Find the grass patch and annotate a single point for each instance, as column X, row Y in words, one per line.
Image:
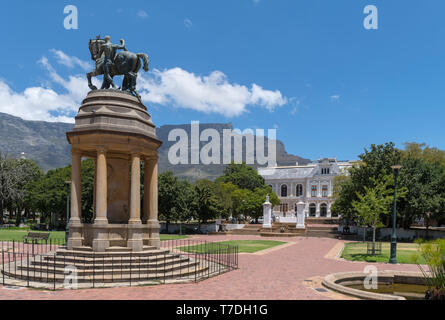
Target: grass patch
column 165, row 237
column 17, row 235
column 406, row 253
column 247, row 246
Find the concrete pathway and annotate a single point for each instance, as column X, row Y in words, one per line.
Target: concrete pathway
column 288, row 272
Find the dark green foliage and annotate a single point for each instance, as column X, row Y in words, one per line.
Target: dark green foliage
column 242, row 176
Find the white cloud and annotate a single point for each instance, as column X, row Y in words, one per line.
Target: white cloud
column 142, row 14
column 43, row 102
column 335, row 98
column 71, row 62
column 188, row 23
column 209, row 94
column 59, row 98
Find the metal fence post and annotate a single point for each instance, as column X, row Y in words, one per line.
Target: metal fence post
column 27, row 269
column 164, row 265
column 3, row 264
column 94, row 268
column 130, row 265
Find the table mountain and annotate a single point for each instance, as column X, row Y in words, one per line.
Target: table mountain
column 46, row 143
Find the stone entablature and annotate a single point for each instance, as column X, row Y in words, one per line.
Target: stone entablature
column 311, row 184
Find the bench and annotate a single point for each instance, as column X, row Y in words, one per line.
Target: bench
column 36, row 236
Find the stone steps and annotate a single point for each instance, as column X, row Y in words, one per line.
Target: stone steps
column 322, row 234
column 279, row 234
column 118, row 270
column 109, row 259
column 109, row 264
column 246, row 231
column 116, row 277
column 312, row 220
column 82, row 253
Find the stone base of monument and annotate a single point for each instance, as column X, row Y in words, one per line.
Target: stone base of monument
column 114, row 129
column 115, row 266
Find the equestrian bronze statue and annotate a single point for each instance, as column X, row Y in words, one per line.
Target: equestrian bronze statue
column 111, row 63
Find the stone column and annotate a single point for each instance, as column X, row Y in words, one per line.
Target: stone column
column 267, row 214
column 94, row 189
column 76, row 190
column 75, row 224
column 317, row 210
column 151, row 200
column 135, row 195
column 300, row 215
column 100, row 236
column 135, row 241
column 101, row 187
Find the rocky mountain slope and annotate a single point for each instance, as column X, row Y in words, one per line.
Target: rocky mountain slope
column 46, row 143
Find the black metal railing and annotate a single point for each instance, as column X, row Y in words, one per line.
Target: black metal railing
column 42, row 265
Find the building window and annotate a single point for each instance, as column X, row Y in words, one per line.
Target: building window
column 284, row 190
column 323, row 210
column 314, row 191
column 325, row 171
column 312, row 210
column 324, row 191
column 299, row 190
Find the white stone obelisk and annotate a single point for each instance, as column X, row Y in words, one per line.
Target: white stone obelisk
column 300, row 215
column 267, row 213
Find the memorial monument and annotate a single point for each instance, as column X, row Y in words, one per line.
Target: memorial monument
column 122, row 244
column 114, row 128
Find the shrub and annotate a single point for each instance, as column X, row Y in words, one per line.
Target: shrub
column 434, row 254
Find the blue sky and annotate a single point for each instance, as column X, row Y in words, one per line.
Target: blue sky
column 308, row 68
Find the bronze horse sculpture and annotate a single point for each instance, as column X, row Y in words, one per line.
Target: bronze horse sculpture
column 110, row 64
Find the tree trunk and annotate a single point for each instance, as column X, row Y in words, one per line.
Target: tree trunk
column 167, row 222
column 1, row 211
column 373, row 241
column 18, row 217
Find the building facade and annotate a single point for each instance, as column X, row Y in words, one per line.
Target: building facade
column 312, row 183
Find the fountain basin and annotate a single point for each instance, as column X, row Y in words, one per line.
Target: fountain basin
column 350, row 283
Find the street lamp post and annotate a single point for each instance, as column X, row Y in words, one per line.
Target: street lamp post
column 393, row 257
column 68, row 183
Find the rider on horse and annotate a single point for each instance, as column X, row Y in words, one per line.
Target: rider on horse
column 108, row 49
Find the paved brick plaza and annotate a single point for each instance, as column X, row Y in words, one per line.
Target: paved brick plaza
column 278, row 274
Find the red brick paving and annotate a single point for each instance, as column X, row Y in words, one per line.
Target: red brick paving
column 277, row 275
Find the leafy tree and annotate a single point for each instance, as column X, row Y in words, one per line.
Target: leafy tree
column 423, row 152
column 15, row 175
column 373, row 203
column 425, row 182
column 241, row 175
column 207, row 204
column 49, row 193
column 222, row 195
column 168, row 193
column 374, row 164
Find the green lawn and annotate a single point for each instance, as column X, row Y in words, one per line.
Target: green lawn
column 406, row 253
column 17, row 235
column 165, row 237
column 247, row 246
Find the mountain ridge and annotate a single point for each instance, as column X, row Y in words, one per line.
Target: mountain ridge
column 41, row 141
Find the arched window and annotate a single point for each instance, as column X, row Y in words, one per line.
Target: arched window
column 284, row 190
column 323, row 210
column 299, row 191
column 312, row 210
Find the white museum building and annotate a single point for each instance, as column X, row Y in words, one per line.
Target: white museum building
column 311, row 183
